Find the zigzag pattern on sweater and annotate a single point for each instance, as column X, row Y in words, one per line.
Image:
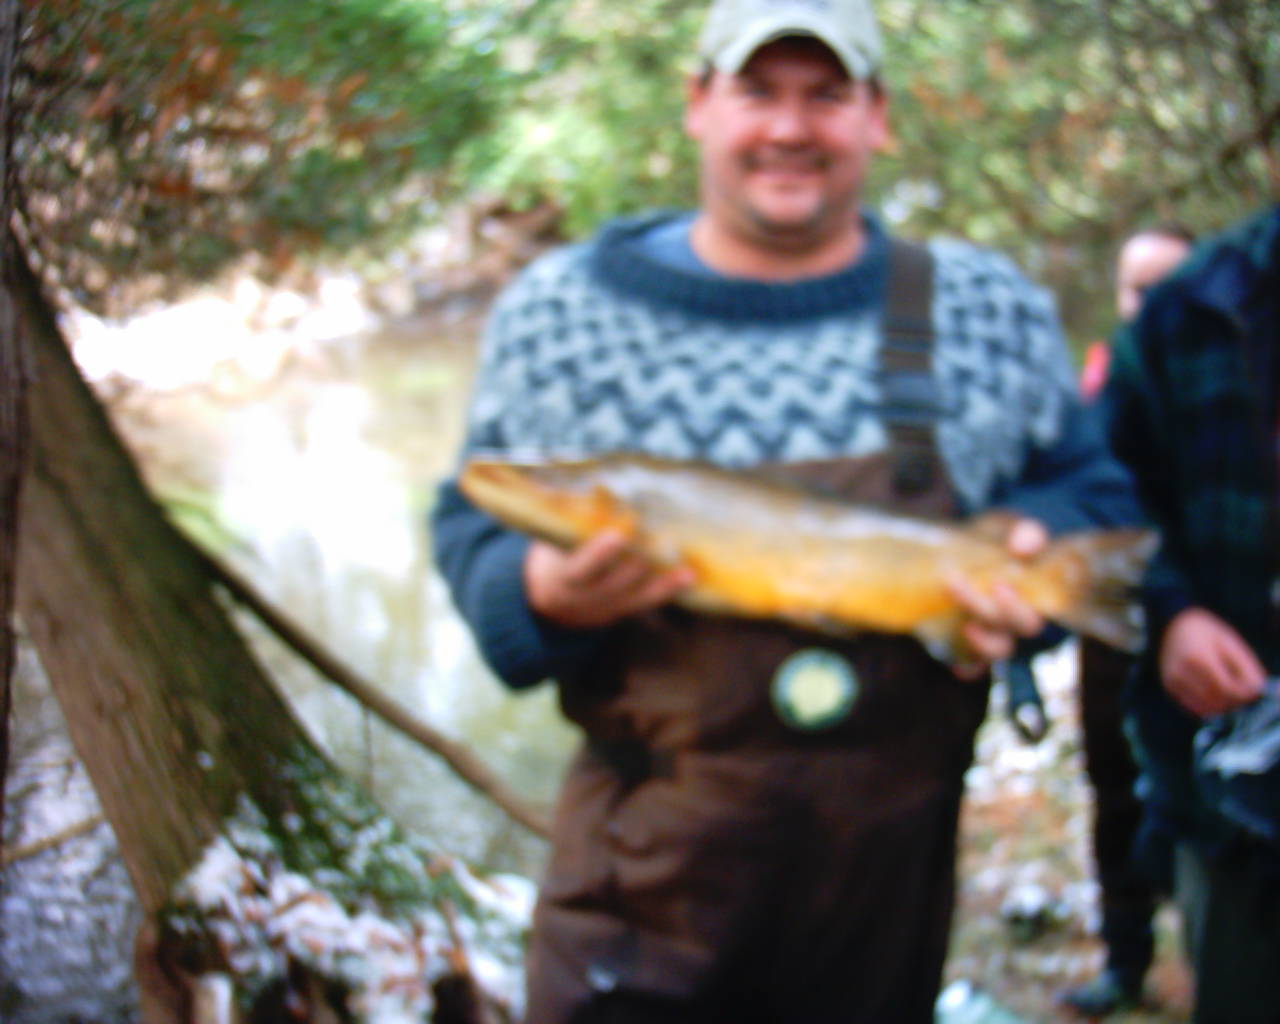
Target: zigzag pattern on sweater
column 571, row 367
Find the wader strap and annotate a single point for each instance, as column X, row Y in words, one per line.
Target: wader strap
column 631, row 760
column 912, row 404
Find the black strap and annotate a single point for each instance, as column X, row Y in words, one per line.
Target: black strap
column 911, row 400
column 632, row 760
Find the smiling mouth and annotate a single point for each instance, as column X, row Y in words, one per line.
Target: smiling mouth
column 792, row 167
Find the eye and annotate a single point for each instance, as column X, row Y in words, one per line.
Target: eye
column 753, row 88
column 832, row 94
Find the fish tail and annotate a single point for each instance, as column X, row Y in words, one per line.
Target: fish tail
column 1102, row 571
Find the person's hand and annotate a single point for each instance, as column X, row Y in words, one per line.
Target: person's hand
column 1206, row 666
column 597, row 583
column 996, row 619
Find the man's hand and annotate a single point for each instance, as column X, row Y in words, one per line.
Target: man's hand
column 1206, row 666
column 597, row 583
column 997, row 619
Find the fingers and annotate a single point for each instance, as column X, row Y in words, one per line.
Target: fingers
column 1206, row 666
column 1027, row 538
column 998, row 617
column 604, row 562
column 597, row 583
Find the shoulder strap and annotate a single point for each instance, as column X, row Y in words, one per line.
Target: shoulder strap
column 911, row 401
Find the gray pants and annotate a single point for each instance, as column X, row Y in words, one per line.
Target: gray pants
column 1231, row 918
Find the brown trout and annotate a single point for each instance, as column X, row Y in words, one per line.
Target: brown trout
column 765, row 550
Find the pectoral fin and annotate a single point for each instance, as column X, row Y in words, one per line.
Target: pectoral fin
column 940, row 636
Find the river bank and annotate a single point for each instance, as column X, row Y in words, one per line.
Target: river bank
column 301, row 434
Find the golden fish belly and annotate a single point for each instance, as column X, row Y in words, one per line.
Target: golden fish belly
column 877, row 582
column 763, row 550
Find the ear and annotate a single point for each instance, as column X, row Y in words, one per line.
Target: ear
column 880, row 134
column 696, row 89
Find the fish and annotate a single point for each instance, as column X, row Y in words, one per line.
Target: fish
column 760, row 548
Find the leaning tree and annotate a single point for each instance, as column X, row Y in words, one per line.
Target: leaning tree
column 156, row 141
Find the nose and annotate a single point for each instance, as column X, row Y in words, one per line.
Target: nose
column 788, row 124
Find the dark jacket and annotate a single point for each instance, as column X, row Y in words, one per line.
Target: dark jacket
column 1191, row 407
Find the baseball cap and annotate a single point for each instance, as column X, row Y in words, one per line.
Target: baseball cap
column 735, row 29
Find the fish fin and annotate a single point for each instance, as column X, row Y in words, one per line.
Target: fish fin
column 940, row 636
column 1106, row 604
column 827, row 624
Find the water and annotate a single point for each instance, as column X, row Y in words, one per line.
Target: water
column 305, row 449
column 302, row 439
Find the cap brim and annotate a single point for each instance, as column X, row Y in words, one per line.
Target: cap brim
column 733, row 58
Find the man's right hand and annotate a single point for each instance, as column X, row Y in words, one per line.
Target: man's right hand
column 597, row 583
column 1206, row 666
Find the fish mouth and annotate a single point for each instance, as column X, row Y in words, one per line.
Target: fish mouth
column 525, row 477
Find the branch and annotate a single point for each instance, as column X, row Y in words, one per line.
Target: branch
column 49, row 842
column 1260, row 135
column 467, row 766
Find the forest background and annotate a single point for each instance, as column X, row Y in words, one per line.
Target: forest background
column 151, row 146
column 159, row 140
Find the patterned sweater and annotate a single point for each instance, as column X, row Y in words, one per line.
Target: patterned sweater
column 601, row 347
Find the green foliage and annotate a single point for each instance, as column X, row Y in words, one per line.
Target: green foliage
column 1048, row 128
column 1053, row 128
column 163, row 138
column 597, row 127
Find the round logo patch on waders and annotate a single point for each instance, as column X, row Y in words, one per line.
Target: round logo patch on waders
column 814, row 689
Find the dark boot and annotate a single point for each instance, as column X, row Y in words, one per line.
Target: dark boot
column 1110, row 992
column 1130, row 941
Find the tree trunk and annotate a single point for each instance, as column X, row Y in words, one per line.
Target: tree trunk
column 167, row 708
column 13, row 410
column 224, row 810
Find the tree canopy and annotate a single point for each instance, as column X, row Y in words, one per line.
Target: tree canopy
column 1048, row 128
column 165, row 137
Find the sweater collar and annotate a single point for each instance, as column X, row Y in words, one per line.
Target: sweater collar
column 622, row 264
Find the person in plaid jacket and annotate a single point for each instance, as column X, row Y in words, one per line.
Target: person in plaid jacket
column 1192, row 410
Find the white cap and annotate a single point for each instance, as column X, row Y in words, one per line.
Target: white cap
column 735, row 29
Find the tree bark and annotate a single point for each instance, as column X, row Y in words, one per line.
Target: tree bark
column 166, row 707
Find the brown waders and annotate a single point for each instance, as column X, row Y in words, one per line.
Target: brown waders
column 761, row 824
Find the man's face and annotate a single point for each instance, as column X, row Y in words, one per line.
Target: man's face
column 785, row 144
column 1144, row 260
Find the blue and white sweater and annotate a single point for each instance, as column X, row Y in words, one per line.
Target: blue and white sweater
column 601, row 347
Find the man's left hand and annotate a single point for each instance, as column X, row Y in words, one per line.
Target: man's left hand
column 997, row 619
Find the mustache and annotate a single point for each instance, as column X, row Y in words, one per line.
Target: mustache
column 786, row 160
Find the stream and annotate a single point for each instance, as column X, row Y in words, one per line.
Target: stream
column 301, row 436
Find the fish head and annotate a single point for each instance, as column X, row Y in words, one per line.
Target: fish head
column 557, row 501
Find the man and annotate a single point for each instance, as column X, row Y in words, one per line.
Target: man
column 721, row 853
column 1145, row 258
column 1128, row 897
column 1193, row 410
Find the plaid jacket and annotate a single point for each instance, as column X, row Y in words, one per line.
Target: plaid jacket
column 1192, row 410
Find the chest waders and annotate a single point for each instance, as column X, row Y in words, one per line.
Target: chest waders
column 760, row 826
